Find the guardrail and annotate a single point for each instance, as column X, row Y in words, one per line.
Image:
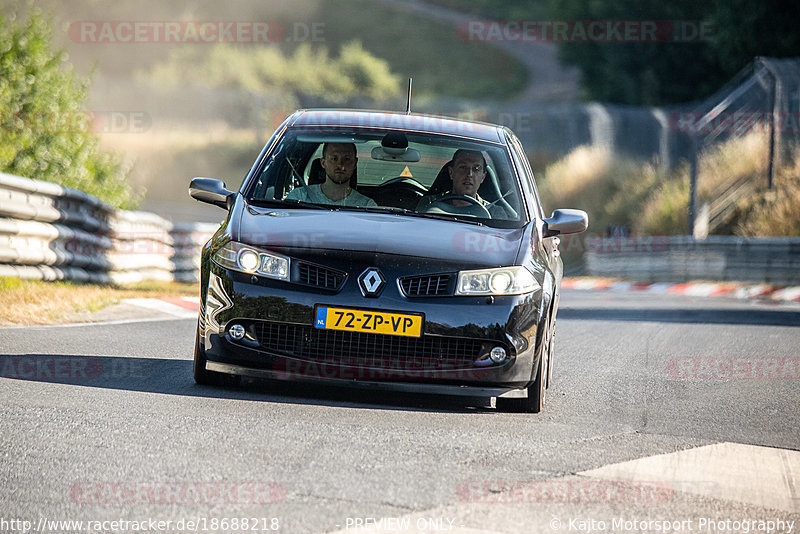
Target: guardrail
column 770, row 260
column 50, row 232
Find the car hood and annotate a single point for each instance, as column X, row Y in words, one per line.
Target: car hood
column 287, row 229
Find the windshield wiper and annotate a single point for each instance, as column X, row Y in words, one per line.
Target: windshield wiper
column 286, row 202
column 413, row 213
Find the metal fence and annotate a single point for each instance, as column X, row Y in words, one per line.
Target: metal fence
column 49, row 232
column 762, row 100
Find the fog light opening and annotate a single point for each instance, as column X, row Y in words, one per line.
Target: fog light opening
column 498, row 355
column 237, row 332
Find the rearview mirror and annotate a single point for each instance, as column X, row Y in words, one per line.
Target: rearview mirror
column 566, row 221
column 394, row 147
column 407, row 155
column 211, row 191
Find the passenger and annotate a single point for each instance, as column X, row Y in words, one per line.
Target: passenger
column 339, row 163
column 467, row 171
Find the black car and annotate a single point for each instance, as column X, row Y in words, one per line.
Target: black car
column 408, row 282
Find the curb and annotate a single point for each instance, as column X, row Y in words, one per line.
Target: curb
column 694, row 289
column 184, row 307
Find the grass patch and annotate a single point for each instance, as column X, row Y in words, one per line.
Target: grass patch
column 29, row 302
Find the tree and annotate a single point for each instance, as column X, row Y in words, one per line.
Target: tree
column 747, row 29
column 45, row 131
column 677, row 66
column 682, row 66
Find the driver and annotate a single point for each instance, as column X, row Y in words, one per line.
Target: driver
column 467, row 171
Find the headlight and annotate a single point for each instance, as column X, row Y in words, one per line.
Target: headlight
column 501, row 281
column 247, row 259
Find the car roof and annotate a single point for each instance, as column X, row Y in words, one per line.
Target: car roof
column 409, row 122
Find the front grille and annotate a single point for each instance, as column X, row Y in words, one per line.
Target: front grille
column 367, row 350
column 433, row 285
column 318, row 276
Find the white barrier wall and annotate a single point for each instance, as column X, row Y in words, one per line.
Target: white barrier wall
column 50, row 232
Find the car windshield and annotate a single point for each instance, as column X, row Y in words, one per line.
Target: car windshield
column 410, row 173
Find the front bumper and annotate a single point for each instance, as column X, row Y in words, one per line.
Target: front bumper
column 468, row 328
column 404, row 387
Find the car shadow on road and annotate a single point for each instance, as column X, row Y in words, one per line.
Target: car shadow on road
column 688, row 316
column 174, row 377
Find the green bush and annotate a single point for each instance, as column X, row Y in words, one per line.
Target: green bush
column 666, row 211
column 45, row 130
column 307, row 71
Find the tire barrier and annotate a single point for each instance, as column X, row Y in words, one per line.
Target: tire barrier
column 50, row 232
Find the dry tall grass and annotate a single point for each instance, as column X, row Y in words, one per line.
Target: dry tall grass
column 609, row 188
column 736, row 158
column 665, row 212
column 774, row 212
column 618, row 191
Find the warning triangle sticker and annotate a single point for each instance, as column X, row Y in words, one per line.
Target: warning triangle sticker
column 407, row 173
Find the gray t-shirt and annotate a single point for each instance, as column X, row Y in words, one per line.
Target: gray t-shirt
column 313, row 193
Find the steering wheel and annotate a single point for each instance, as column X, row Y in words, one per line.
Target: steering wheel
column 404, row 179
column 452, row 196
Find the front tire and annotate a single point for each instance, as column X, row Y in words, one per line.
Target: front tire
column 534, row 402
column 203, row 376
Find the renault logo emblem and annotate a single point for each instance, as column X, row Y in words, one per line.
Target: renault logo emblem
column 371, row 282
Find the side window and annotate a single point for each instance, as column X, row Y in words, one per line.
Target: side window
column 521, row 160
column 286, row 169
column 264, row 189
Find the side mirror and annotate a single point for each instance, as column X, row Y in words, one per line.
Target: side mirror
column 211, row 191
column 566, row 221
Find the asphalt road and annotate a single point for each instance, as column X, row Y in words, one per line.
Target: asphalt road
column 663, row 409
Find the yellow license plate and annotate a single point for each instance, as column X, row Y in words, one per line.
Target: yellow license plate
column 373, row 322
